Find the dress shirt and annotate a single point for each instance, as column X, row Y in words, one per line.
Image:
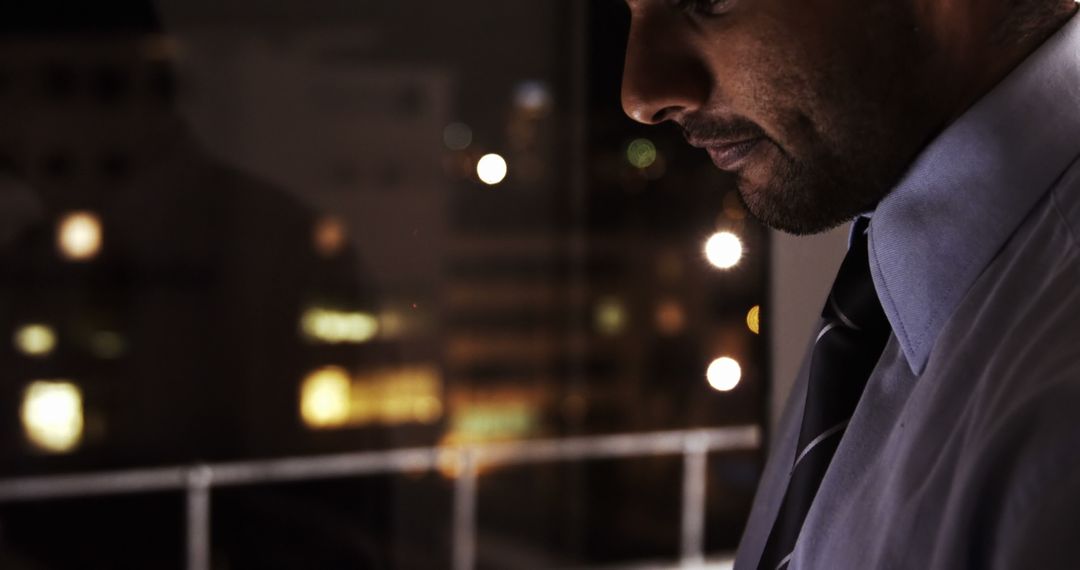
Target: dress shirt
column 964, row 451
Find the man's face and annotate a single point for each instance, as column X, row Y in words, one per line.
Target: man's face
column 816, row 106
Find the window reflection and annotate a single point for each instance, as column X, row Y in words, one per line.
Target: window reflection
column 240, row 232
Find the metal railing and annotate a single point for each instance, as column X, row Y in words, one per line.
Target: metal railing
column 198, row 480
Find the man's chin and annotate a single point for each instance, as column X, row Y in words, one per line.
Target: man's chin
column 792, row 210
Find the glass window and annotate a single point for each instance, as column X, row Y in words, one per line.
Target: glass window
column 363, row 284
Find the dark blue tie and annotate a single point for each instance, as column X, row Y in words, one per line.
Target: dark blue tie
column 845, row 353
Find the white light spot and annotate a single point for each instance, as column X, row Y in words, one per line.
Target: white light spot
column 724, row 374
column 78, row 236
column 52, row 415
column 491, row 169
column 723, row 250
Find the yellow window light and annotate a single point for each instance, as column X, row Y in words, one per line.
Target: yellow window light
column 52, row 415
column 35, row 339
column 335, row 327
column 79, row 236
column 331, row 397
column 324, row 398
column 753, row 319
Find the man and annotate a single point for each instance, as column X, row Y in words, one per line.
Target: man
column 936, row 420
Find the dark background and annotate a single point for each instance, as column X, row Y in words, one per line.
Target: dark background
column 178, row 126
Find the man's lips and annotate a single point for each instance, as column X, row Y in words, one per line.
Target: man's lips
column 727, row 154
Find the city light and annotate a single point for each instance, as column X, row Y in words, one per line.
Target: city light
column 52, row 415
column 723, row 250
column 392, row 324
column 337, row 327
column 78, row 236
column 610, row 317
column 35, row 340
column 426, row 409
column 107, row 344
column 533, row 97
column 494, row 421
column 753, row 319
column 333, row 398
column 457, row 136
column 328, row 236
column 324, row 398
column 398, row 395
column 670, row 317
column 723, row 374
column 641, row 153
column 496, row 415
column 491, row 168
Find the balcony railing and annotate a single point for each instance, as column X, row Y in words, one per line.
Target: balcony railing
column 463, row 461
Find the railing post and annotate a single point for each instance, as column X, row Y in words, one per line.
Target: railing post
column 198, row 518
column 464, row 548
column 695, row 456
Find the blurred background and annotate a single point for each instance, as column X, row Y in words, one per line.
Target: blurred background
column 371, row 284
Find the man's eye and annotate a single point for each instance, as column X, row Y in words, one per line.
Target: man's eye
column 703, row 7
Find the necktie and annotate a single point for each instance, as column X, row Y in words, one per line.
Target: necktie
column 845, row 353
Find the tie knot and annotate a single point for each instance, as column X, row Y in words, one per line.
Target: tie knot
column 853, row 301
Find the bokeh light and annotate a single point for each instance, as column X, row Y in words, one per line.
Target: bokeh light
column 753, row 319
column 396, row 395
column 670, row 317
column 426, row 409
column 641, row 153
column 723, row 250
column 107, row 344
column 491, row 168
column 35, row 339
column 457, row 136
column 610, row 316
column 52, row 415
column 533, row 97
column 79, row 236
column 336, row 327
column 724, row 374
column 324, row 398
column 328, row 236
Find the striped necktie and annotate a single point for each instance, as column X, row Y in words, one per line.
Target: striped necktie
column 845, row 353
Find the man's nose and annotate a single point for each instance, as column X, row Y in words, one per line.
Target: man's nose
column 663, row 77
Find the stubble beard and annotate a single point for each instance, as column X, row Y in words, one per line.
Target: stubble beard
column 851, row 127
column 809, row 196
